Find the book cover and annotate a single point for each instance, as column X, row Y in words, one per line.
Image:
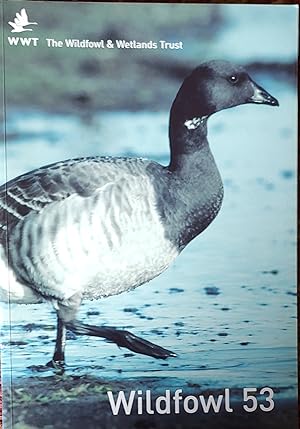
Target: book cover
column 148, row 215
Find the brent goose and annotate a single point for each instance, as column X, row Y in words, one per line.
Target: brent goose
column 99, row 226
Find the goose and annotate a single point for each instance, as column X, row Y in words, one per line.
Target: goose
column 93, row 227
column 21, row 21
column 22, row 18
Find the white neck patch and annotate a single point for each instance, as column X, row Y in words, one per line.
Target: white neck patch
column 194, row 123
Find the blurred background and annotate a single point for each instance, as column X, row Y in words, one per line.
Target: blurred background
column 50, row 85
column 72, row 80
column 236, row 283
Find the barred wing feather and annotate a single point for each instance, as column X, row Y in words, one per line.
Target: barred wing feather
column 33, row 191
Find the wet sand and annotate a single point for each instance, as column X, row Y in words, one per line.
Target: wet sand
column 82, row 402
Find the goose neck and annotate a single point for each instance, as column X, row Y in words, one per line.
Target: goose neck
column 188, row 138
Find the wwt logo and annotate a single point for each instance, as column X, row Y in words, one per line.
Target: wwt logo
column 21, row 21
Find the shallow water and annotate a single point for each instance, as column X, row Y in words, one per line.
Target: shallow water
column 270, row 24
column 227, row 306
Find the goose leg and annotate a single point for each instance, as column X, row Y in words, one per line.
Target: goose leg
column 65, row 312
column 66, row 320
column 58, row 360
column 122, row 338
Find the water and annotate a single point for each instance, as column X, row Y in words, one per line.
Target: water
column 227, row 306
column 251, row 31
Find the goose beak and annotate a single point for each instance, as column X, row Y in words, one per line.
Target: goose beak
column 261, row 96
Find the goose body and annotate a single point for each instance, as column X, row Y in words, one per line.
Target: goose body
column 99, row 242
column 99, row 226
column 117, row 233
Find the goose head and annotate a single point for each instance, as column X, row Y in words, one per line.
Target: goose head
column 218, row 85
column 210, row 88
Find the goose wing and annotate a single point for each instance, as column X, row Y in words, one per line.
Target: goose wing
column 33, row 191
column 76, row 233
column 13, row 24
column 22, row 17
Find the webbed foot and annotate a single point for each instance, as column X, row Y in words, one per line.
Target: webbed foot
column 122, row 338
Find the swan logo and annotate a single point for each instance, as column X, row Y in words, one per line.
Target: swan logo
column 20, row 22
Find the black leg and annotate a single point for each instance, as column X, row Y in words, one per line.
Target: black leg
column 66, row 319
column 58, row 360
column 120, row 337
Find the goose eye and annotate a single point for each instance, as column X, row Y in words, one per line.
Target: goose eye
column 233, row 79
